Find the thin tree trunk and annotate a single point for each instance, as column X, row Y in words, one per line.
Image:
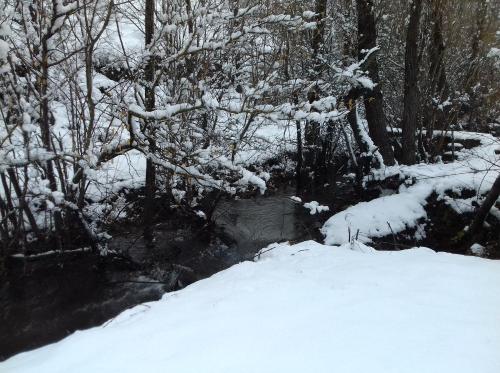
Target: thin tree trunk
column 312, row 130
column 319, row 31
column 9, row 206
column 150, row 188
column 438, row 86
column 367, row 40
column 298, row 167
column 411, row 99
column 22, row 201
column 473, row 72
column 46, row 137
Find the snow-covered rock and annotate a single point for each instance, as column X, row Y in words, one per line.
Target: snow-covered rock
column 477, row 249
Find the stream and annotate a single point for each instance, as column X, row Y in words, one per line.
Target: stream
column 44, row 300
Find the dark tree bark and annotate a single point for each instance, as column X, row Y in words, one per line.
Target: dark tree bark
column 373, row 100
column 485, row 208
column 411, row 99
column 150, row 187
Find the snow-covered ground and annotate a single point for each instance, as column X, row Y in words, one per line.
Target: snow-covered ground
column 475, row 169
column 303, row 308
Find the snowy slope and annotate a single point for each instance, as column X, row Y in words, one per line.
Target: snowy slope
column 304, row 308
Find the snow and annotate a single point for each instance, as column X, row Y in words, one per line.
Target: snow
column 476, row 169
column 250, row 178
column 201, row 214
column 477, row 249
column 50, row 253
column 123, row 171
column 314, row 207
column 308, row 14
column 303, row 308
column 4, row 49
column 376, row 218
column 494, row 53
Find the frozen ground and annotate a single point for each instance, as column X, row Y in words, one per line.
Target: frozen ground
column 303, row 308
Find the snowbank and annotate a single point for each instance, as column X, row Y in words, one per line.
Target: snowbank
column 376, row 218
column 476, row 169
column 303, row 308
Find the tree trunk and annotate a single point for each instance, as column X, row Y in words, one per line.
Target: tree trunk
column 473, row 72
column 298, row 167
column 312, row 135
column 485, row 208
column 150, row 187
column 367, row 39
column 23, row 205
column 411, row 100
column 319, row 31
column 350, row 102
column 43, row 90
column 438, row 85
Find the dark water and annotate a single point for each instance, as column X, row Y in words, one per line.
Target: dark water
column 43, row 300
column 257, row 222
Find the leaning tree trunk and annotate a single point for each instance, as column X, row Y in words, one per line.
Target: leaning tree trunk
column 150, row 187
column 485, row 208
column 411, row 100
column 367, row 40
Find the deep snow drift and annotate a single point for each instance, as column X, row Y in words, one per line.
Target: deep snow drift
column 303, row 308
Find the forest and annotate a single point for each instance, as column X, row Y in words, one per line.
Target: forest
column 149, row 146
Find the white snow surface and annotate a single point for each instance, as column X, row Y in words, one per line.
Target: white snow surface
column 303, row 308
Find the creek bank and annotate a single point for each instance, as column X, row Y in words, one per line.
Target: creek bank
column 444, row 230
